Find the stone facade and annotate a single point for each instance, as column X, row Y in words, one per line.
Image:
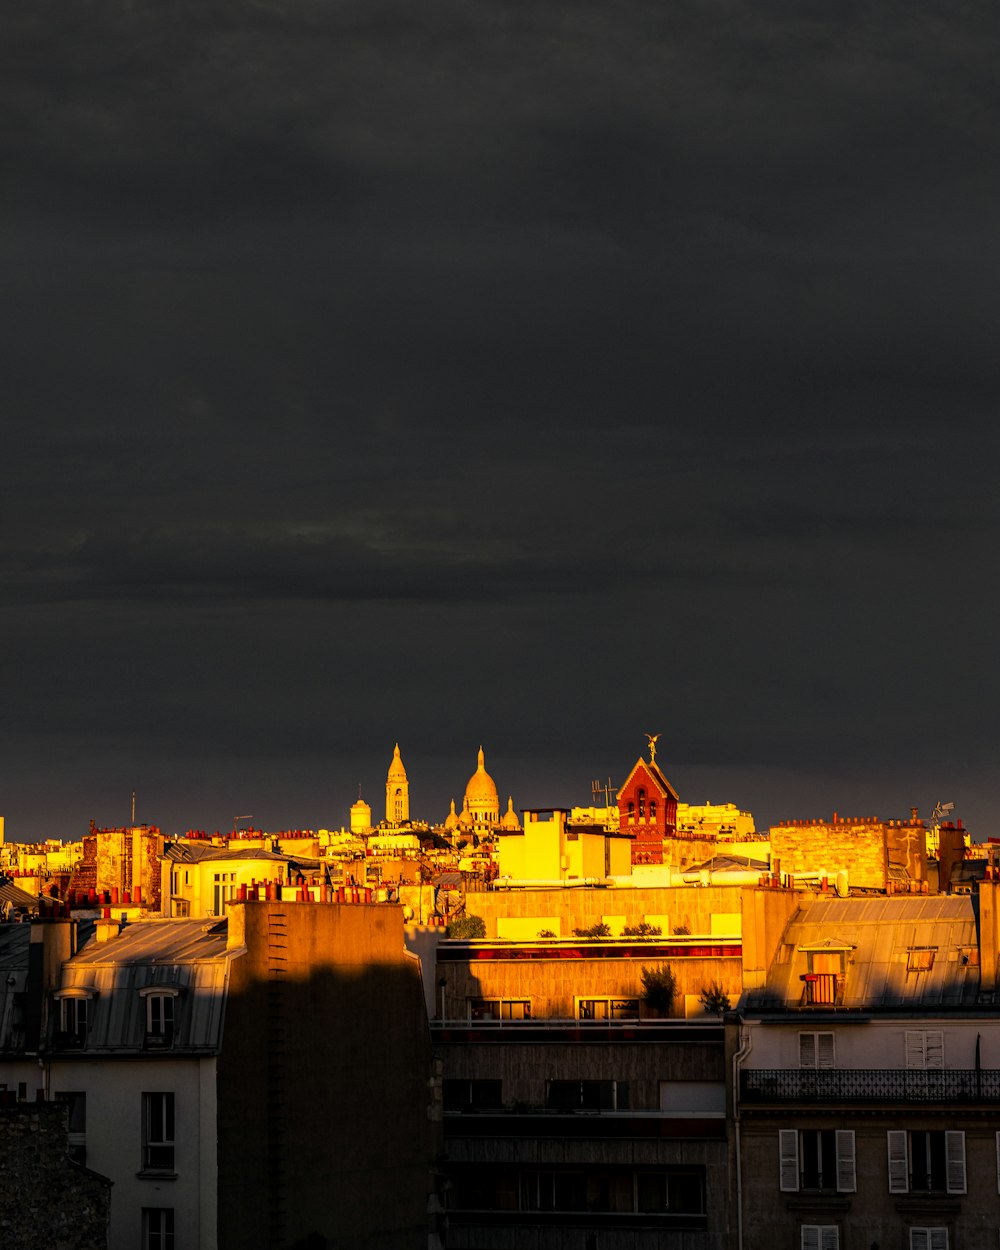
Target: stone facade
column 862, row 847
column 47, row 1202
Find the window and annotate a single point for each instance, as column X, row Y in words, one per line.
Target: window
column 160, row 1012
column 631, row 812
column 607, row 1009
column 668, row 1196
column 815, row 1050
column 924, row 1048
column 820, row 1237
column 499, row 1008
column 73, row 1017
column 920, row 958
column 224, row 890
column 586, row 1095
column 824, row 981
column 158, row 1132
column 821, row 1160
column 652, row 811
column 473, row 1095
column 926, row 1162
column 928, row 1238
column 158, row 1228
column 77, row 1139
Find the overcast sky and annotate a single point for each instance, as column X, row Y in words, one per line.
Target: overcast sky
column 533, row 374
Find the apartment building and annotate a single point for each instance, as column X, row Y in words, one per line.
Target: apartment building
column 866, row 1080
column 256, row 1079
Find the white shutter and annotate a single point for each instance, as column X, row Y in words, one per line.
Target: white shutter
column 929, row 1238
column 824, row 1050
column 898, row 1165
column 998, row 1163
column 914, row 1049
column 847, row 1180
column 807, row 1051
column 954, row 1151
column 788, row 1153
column 934, row 1049
column 820, row 1237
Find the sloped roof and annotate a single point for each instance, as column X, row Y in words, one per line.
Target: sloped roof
column 655, row 775
column 188, row 956
column 881, row 938
column 197, row 853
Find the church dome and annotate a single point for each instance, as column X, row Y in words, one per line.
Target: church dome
column 510, row 820
column 481, row 788
column 451, row 820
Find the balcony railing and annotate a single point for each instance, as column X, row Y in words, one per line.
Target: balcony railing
column 869, row 1085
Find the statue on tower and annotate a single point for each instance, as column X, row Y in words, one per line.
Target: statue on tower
column 652, row 739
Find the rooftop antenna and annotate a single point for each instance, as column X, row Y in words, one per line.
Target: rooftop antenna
column 598, row 788
column 941, row 809
column 237, row 819
column 133, row 809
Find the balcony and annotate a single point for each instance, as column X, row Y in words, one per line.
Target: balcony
column 759, row 1086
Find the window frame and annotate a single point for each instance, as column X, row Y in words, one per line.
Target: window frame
column 842, row 1168
column 159, row 1132
column 899, row 1147
column 823, row 1047
column 162, row 1237
column 819, row 1237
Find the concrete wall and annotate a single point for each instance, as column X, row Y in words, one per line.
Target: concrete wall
column 555, row 985
column 114, row 1090
column 691, row 907
column 323, row 1081
column 524, row 1069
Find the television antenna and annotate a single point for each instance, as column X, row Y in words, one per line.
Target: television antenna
column 602, row 788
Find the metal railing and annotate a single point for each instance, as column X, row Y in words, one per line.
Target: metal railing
column 869, row 1085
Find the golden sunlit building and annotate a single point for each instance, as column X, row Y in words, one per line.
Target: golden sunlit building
column 397, row 792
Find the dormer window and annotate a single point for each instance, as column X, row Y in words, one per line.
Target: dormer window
column 74, row 1017
column 160, row 1003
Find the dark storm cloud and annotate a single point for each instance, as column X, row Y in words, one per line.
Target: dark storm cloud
column 521, row 344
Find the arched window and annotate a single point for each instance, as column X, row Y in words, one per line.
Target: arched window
column 652, row 809
column 642, row 804
column 631, row 811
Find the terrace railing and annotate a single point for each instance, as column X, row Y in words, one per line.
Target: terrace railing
column 869, row 1085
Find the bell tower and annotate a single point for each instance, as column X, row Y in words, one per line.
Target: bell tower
column 397, row 792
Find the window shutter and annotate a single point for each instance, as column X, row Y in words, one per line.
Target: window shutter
column 914, row 1049
column 847, row 1180
column 919, row 1239
column 998, row 1163
column 810, row 1237
column 938, row 1238
column 829, row 1237
column 824, row 1050
column 788, row 1154
column 954, row 1150
column 934, row 1049
column 898, row 1178
column 807, row 1053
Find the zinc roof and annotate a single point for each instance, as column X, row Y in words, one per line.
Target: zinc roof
column 897, row 952
column 188, row 956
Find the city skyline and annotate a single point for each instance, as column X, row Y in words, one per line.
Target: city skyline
column 536, row 377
